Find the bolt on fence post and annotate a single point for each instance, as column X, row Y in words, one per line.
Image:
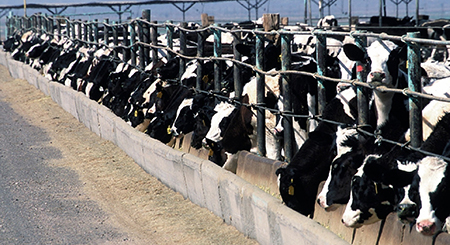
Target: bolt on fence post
column 321, row 51
column 217, row 63
column 200, row 53
column 146, row 36
column 154, row 41
column 126, row 43
column 260, row 92
column 287, row 104
column 169, row 34
column 237, row 67
column 95, row 28
column 106, row 31
column 182, row 48
column 362, row 92
column 132, row 30
column 414, row 84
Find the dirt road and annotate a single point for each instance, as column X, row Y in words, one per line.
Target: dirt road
column 106, row 190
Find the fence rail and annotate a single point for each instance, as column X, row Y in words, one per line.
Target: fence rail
column 137, row 40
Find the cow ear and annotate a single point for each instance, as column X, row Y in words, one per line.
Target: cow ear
column 244, row 49
column 353, row 52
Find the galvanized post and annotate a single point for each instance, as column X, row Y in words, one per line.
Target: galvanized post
column 217, row 63
column 126, row 43
column 146, row 33
column 200, row 53
column 132, row 30
column 287, row 104
column 182, row 48
column 414, row 84
column 237, row 76
column 260, row 92
column 73, row 28
column 169, row 34
column 154, row 41
column 321, row 51
column 90, row 31
column 106, row 31
column 95, row 28
column 362, row 92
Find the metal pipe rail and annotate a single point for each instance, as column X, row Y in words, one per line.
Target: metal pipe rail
column 47, row 25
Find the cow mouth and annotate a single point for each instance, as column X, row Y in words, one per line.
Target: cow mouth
column 426, row 229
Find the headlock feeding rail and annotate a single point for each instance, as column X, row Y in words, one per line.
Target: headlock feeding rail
column 135, row 43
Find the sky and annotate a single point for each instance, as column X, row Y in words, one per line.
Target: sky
column 232, row 11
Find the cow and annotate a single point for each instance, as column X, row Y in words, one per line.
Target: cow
column 385, row 59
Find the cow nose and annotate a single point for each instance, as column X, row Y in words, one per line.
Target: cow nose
column 426, row 227
column 377, row 76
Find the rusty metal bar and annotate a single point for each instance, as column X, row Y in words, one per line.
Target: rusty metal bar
column 414, row 84
column 287, row 104
column 146, row 36
column 106, row 31
column 362, row 93
column 217, row 63
column 237, row 75
column 200, row 53
column 260, row 92
column 182, row 48
column 154, row 41
column 169, row 34
column 321, row 52
column 132, row 30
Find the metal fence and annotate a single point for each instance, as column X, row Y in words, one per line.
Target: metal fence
column 135, row 42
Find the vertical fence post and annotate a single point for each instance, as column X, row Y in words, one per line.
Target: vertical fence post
column 126, row 43
column 85, row 31
column 237, row 67
column 39, row 23
column 362, row 92
column 287, row 104
column 182, row 48
column 169, row 34
column 73, row 28
column 217, row 63
column 132, row 30
column 414, row 84
column 200, row 53
column 115, row 38
column 106, row 31
column 58, row 28
column 146, row 36
column 141, row 54
column 321, row 51
column 80, row 32
column 260, row 92
column 95, row 28
column 68, row 27
column 154, row 41
column 90, row 27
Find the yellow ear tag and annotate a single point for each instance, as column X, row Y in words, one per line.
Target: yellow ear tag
column 210, row 153
column 169, row 130
column 205, row 79
column 291, row 188
column 159, row 95
column 204, row 124
column 407, row 64
column 135, row 113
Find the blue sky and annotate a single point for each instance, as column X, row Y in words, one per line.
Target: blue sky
column 226, row 11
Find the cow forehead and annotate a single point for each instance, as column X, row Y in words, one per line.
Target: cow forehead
column 360, row 171
column 379, row 51
column 431, row 171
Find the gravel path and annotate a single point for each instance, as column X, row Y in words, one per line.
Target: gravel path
column 62, row 184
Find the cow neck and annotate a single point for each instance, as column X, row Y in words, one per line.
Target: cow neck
column 383, row 106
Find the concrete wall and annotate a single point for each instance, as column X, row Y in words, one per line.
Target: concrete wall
column 252, row 211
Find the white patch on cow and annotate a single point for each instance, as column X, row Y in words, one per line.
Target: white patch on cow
column 431, row 171
column 345, row 97
column 132, row 72
column 223, row 109
column 226, row 38
column 88, row 88
column 190, row 70
column 406, row 200
column 187, row 102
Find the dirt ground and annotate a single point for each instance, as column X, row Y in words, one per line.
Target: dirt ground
column 135, row 202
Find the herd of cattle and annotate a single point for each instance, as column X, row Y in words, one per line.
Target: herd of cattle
column 371, row 176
